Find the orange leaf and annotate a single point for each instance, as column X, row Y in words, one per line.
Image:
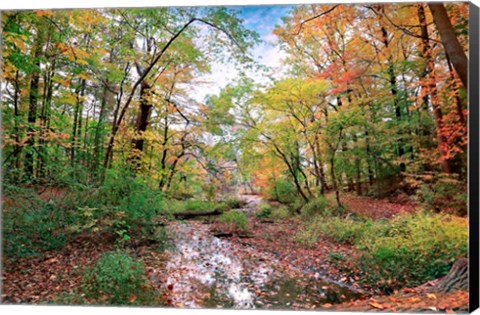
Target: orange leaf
column 376, row 305
column 132, row 298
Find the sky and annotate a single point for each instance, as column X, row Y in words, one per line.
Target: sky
column 263, row 20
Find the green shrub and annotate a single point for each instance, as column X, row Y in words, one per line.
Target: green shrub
column 341, row 230
column 315, row 207
column 405, row 251
column 444, row 194
column 282, row 212
column 235, row 221
column 344, row 230
column 411, row 249
column 194, row 205
column 33, row 226
column 265, row 210
column 307, row 237
column 283, row 191
column 115, row 278
column 234, row 203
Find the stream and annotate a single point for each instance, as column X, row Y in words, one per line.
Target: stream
column 205, row 271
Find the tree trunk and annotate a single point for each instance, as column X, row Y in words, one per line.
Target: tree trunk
column 334, row 181
column 32, row 116
column 450, row 41
column 141, row 124
column 456, row 279
column 431, row 88
column 394, row 92
column 16, row 131
column 77, row 120
column 98, row 138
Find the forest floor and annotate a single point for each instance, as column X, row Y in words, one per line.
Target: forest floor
column 264, row 269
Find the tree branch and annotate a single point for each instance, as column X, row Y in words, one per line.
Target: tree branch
column 313, row 18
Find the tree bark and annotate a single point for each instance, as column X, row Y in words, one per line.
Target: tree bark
column 32, row 112
column 456, row 279
column 450, row 41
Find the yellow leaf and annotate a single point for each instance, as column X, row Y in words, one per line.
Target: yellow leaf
column 85, row 76
column 431, row 296
column 19, row 43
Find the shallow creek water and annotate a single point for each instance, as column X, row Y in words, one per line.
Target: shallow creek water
column 206, row 271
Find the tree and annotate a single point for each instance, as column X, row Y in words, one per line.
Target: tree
column 452, row 46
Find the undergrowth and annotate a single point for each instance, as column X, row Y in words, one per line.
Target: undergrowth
column 119, row 279
column 234, row 221
column 405, row 251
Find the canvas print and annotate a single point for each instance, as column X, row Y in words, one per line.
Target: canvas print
column 293, row 157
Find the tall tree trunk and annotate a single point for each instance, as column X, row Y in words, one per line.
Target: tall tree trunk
column 44, row 115
column 16, row 130
column 77, row 120
column 394, row 91
column 293, row 172
column 32, row 109
column 163, row 160
column 431, row 88
column 450, row 41
column 369, row 162
column 141, row 124
column 334, row 181
column 358, row 170
column 98, row 138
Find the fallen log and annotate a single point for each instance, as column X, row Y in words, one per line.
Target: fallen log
column 194, row 214
column 223, row 234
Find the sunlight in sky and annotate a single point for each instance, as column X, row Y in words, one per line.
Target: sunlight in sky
column 263, row 20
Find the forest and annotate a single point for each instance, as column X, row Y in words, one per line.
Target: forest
column 270, row 157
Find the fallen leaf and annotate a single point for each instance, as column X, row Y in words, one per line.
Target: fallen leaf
column 376, row 305
column 431, row 296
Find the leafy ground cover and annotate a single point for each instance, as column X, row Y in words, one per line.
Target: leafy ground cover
column 326, row 250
